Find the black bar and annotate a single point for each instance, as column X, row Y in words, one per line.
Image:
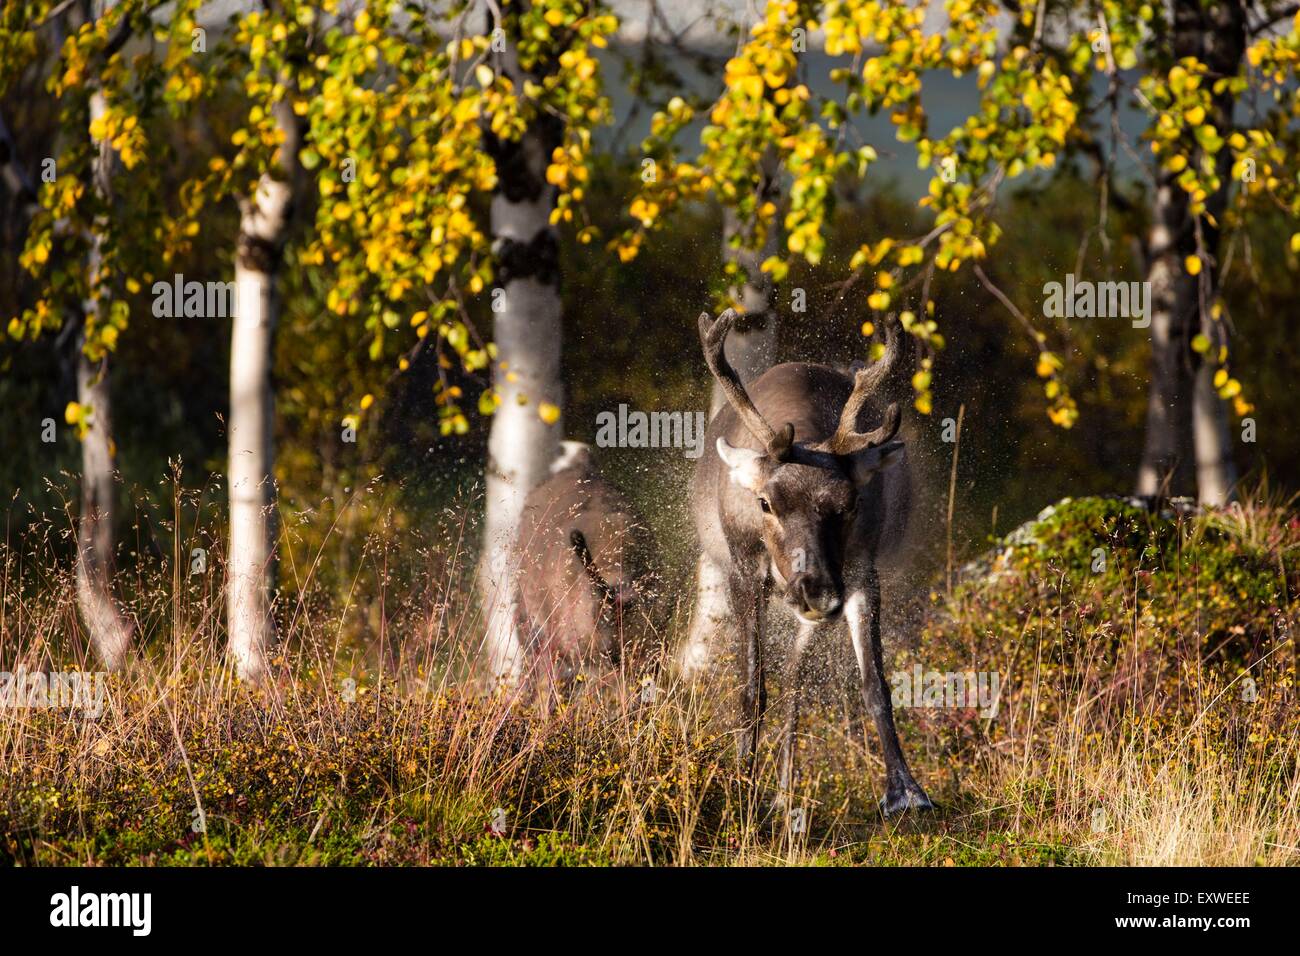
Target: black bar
column 335, row 907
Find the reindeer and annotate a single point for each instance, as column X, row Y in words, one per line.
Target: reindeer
column 582, row 576
column 805, row 510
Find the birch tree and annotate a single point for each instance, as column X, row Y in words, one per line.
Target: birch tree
column 415, row 121
column 278, row 38
column 105, row 621
column 113, row 190
column 1220, row 156
column 91, row 244
column 1187, row 439
column 527, row 327
column 1186, row 65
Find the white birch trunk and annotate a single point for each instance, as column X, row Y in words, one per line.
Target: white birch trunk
column 1223, row 47
column 751, row 346
column 106, row 625
column 751, row 350
column 1216, row 472
column 250, row 478
column 521, row 446
column 1165, row 467
column 527, row 330
column 1187, row 433
column 264, row 223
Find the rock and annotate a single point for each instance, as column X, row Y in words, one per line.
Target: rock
column 994, row 563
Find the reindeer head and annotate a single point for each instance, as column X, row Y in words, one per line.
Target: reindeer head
column 807, row 495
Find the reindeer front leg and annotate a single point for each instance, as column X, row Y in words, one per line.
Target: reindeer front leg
column 862, row 609
column 748, row 592
column 793, row 686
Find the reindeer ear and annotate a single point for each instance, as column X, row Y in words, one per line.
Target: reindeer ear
column 745, row 464
column 875, row 460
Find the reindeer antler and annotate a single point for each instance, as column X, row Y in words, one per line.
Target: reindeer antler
column 712, row 336
column 847, row 440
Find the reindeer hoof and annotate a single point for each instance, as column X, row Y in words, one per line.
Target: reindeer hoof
column 904, row 797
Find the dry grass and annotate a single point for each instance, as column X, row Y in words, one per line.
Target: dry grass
column 1087, row 765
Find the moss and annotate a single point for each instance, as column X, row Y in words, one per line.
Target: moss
column 1125, row 573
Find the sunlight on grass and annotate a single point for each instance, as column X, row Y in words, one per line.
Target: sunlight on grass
column 1116, row 740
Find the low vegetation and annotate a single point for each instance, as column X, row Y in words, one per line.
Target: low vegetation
column 1145, row 715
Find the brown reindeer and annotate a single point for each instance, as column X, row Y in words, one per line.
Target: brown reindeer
column 805, row 510
column 583, row 582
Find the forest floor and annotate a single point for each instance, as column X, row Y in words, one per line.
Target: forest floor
column 1145, row 714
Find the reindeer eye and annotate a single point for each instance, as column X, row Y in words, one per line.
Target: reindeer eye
column 765, row 505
